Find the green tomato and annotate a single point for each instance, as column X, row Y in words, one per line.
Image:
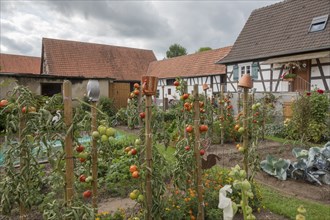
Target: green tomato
column 133, row 196
column 110, row 132
column 138, row 142
column 83, row 155
column 104, row 138
column 102, row 129
column 89, row 179
column 241, row 130
column 140, row 198
column 95, row 134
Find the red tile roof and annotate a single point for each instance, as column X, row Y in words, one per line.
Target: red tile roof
column 72, row 58
column 197, row 64
column 19, row 64
column 281, row 29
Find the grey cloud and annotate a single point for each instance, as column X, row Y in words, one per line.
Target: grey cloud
column 17, row 45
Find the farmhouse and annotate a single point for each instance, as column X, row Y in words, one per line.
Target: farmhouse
column 116, row 68
column 285, row 47
column 199, row 68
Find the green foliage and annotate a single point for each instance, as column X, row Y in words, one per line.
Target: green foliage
column 310, row 117
column 106, row 105
column 275, row 167
column 176, row 50
column 121, row 117
column 202, row 49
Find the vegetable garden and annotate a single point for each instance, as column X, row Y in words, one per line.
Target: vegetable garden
column 62, row 156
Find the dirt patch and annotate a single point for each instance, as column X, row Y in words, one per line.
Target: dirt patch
column 113, row 204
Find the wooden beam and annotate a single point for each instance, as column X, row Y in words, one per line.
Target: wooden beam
column 262, row 77
column 279, row 78
column 322, row 74
column 271, row 78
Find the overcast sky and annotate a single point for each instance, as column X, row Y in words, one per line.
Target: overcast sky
column 153, row 25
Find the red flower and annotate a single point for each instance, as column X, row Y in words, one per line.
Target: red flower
column 308, row 93
column 320, row 91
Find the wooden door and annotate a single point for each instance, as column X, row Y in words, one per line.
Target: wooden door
column 119, row 92
column 302, row 81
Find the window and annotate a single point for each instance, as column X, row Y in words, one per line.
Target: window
column 169, row 91
column 157, row 93
column 170, row 82
column 50, row 89
column 245, row 69
column 318, row 23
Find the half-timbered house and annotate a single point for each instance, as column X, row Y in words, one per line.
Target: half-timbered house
column 198, row 68
column 285, row 47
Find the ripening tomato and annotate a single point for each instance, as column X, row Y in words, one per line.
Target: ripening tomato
column 3, row 103
column 134, row 151
column 201, row 104
column 136, row 92
column 185, row 96
column 128, row 149
column 133, row 168
column 189, row 128
column 136, row 85
column 135, row 174
column 80, row 148
column 236, row 127
column 142, row 115
column 82, row 160
column 82, row 178
column 187, row 148
column 87, row 194
column 176, row 83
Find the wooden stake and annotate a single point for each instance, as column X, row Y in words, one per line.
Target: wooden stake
column 148, row 154
column 140, row 106
column 221, row 114
column 22, row 121
column 94, row 157
column 245, row 126
column 67, row 97
column 200, row 215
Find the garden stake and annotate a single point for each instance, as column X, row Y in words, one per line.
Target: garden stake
column 67, row 99
column 22, row 121
column 140, row 106
column 148, row 157
column 200, row 215
column 221, row 114
column 94, row 156
column 263, row 118
column 245, row 126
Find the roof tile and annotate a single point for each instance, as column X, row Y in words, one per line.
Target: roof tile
column 19, row 64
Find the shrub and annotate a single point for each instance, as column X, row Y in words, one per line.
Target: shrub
column 310, row 117
column 106, row 105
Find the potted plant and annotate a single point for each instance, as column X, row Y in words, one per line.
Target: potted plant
column 289, row 76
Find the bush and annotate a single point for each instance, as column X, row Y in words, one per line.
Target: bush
column 106, row 105
column 310, row 117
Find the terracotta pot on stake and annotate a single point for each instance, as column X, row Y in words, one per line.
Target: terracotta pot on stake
column 246, row 83
column 149, row 87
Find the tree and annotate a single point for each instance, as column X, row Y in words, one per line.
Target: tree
column 176, row 50
column 203, row 49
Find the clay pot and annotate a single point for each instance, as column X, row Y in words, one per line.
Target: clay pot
column 149, row 85
column 245, row 81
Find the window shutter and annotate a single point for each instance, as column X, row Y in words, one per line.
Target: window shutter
column 255, row 70
column 235, row 72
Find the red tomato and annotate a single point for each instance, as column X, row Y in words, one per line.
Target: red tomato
column 80, row 148
column 87, row 194
column 202, row 152
column 82, row 178
column 82, row 160
column 133, row 168
column 185, row 96
column 136, row 92
column 187, row 148
column 136, row 85
column 134, row 151
column 203, row 128
column 142, row 115
column 201, row 104
column 135, row 174
column 189, row 128
column 176, row 83
column 3, row 103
